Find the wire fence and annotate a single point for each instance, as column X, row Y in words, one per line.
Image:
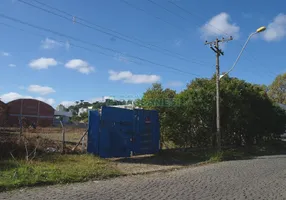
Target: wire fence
column 17, row 142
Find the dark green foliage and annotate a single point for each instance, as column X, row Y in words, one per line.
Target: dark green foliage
column 248, row 116
column 162, row 100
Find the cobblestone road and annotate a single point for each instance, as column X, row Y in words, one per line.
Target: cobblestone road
column 260, row 178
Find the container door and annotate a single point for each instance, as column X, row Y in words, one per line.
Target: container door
column 116, row 132
column 93, row 132
column 147, row 136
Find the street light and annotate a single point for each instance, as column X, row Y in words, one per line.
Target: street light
column 259, row 30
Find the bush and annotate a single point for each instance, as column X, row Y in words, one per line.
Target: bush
column 248, row 116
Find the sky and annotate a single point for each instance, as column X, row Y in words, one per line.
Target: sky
column 68, row 50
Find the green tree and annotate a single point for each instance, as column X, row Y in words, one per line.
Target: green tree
column 61, row 107
column 248, row 116
column 277, row 90
column 156, row 98
column 192, row 122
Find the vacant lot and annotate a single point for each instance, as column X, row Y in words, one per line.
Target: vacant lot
column 43, row 167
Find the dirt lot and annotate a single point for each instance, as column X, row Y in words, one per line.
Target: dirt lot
column 43, row 138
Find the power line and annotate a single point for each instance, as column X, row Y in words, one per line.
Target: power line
column 155, row 3
column 116, row 32
column 159, row 18
column 59, row 41
column 122, row 37
column 96, row 45
column 190, row 13
column 223, row 32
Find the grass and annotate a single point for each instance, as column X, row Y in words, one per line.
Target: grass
column 58, row 169
column 273, row 147
column 53, row 169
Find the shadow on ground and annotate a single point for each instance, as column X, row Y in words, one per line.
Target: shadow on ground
column 184, row 157
column 168, row 157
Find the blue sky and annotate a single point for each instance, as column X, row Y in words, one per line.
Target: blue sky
column 122, row 50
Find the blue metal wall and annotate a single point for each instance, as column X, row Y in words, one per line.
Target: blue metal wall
column 93, row 132
column 120, row 132
column 147, row 133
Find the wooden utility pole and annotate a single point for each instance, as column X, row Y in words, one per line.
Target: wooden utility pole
column 214, row 45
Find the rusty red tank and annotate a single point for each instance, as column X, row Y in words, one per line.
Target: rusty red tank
column 32, row 111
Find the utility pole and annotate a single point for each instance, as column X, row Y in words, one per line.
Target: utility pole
column 214, row 45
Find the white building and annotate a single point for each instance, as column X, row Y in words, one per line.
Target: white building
column 128, row 106
column 84, row 110
column 62, row 114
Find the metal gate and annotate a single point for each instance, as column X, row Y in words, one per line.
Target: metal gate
column 121, row 132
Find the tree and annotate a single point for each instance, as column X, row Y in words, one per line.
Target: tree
column 61, row 108
column 156, row 98
column 248, row 116
column 277, row 90
column 192, row 121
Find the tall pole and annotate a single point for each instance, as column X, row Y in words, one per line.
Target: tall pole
column 214, row 45
column 217, row 98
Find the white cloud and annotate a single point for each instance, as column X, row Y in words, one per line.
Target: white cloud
column 128, row 77
column 219, row 25
column 175, row 84
column 12, row 65
column 276, row 30
column 48, row 101
column 13, row 96
column 43, row 63
column 50, row 44
column 67, row 103
column 79, row 65
column 43, row 90
column 5, row 54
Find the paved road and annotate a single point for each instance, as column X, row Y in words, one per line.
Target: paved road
column 261, row 178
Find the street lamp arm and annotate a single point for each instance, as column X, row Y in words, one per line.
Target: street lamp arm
column 238, row 57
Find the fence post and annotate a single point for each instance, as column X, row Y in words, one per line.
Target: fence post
column 82, row 144
column 63, row 137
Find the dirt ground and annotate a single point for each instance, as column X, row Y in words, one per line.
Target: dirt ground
column 152, row 163
column 139, row 165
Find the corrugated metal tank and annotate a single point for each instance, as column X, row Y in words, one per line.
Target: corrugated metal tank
column 33, row 110
column 3, row 113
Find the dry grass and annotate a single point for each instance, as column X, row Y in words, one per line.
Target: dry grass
column 11, row 143
column 46, row 168
column 72, row 135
